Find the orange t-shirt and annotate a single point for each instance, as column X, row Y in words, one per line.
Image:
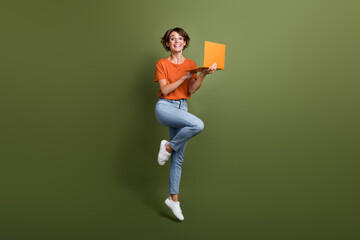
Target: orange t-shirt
column 172, row 72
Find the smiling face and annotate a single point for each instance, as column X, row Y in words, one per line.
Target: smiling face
column 176, row 42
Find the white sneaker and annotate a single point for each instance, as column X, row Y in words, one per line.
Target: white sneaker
column 175, row 208
column 163, row 155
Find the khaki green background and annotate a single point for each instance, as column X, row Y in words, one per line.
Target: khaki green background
column 279, row 155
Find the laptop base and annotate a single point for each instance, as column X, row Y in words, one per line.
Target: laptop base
column 199, row 69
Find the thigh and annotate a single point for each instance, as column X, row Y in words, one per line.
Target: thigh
column 179, row 154
column 173, row 132
column 174, row 117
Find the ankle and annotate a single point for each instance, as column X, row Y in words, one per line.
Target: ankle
column 168, row 148
column 174, row 198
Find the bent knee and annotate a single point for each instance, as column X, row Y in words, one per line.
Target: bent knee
column 199, row 126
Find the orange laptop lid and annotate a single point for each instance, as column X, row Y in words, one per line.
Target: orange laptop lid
column 213, row 53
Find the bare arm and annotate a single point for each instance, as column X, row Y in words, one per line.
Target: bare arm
column 195, row 84
column 166, row 89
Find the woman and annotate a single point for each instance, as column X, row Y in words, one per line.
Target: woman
column 176, row 86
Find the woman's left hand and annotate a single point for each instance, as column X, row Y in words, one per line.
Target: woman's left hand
column 210, row 70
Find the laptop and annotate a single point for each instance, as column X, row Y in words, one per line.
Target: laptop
column 213, row 53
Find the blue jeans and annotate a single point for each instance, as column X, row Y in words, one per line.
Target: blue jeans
column 182, row 126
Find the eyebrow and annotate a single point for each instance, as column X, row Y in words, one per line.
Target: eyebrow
column 175, row 35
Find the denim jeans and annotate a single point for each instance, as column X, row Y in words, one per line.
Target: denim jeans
column 182, row 126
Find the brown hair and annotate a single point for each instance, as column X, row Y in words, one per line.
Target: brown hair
column 166, row 38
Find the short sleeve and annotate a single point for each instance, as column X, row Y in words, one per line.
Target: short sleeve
column 159, row 72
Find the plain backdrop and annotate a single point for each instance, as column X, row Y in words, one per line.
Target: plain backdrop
column 279, row 155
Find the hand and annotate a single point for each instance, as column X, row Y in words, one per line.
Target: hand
column 189, row 75
column 210, row 70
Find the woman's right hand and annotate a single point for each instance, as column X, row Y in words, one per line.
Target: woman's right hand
column 188, row 75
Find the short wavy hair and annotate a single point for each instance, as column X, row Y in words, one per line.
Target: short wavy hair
column 166, row 38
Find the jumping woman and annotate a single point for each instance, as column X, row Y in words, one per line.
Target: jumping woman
column 176, row 86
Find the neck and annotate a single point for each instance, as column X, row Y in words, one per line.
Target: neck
column 176, row 57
